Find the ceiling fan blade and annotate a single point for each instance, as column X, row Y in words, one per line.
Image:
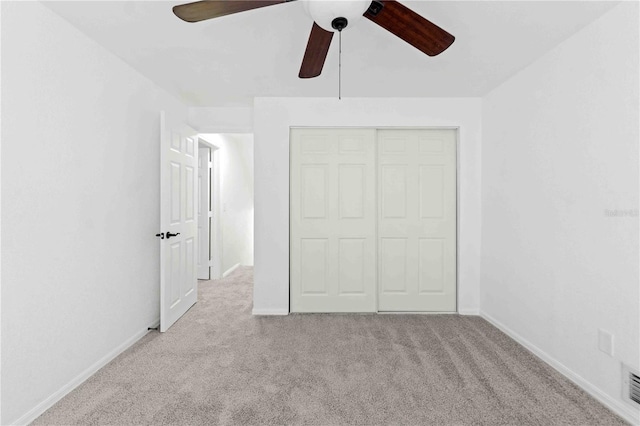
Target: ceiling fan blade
column 202, row 10
column 316, row 53
column 409, row 26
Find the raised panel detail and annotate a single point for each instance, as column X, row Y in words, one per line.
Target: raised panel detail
column 314, row 191
column 176, row 140
column 431, row 265
column 313, row 265
column 394, row 191
column 189, row 148
column 203, row 255
column 351, row 266
column 393, row 265
column 176, row 190
column 189, row 174
column 393, row 145
column 317, row 144
column 432, row 192
column 431, row 145
column 199, row 198
column 351, row 144
column 352, row 190
column 175, row 260
column 189, row 253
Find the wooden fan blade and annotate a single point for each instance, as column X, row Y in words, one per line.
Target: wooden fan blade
column 202, row 10
column 316, row 53
column 409, row 26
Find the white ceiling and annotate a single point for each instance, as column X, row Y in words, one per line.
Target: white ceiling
column 230, row 60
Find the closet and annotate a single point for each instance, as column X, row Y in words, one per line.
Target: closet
column 372, row 220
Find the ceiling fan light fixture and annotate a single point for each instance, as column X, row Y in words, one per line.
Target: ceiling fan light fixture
column 332, row 16
column 325, row 12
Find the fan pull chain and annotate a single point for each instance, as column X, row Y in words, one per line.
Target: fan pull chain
column 340, row 65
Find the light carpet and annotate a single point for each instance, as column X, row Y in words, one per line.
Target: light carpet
column 221, row 365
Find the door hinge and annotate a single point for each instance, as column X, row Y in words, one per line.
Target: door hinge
column 210, row 214
column 210, row 164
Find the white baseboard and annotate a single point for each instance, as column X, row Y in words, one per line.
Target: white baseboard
column 617, row 407
column 394, row 313
column 468, row 312
column 270, row 311
column 230, row 270
column 43, row 406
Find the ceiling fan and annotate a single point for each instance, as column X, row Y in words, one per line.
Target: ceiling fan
column 334, row 15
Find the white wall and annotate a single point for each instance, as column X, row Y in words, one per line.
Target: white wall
column 80, row 186
column 272, row 119
column 0, row 228
column 236, row 197
column 560, row 146
column 222, row 120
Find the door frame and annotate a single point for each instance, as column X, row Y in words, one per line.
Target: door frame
column 457, row 130
column 205, row 179
column 215, row 232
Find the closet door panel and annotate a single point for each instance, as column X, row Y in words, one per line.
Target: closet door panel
column 333, row 220
column 417, row 220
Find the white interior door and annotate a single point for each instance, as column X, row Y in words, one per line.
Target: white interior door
column 333, row 220
column 178, row 197
column 417, row 220
column 204, row 212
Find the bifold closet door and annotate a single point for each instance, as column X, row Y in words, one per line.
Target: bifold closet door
column 333, row 220
column 417, row 220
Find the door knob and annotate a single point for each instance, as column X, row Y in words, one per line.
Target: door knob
column 169, row 235
column 161, row 235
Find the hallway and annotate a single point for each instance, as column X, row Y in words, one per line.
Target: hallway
column 220, row 365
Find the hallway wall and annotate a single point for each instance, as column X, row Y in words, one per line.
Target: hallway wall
column 81, row 196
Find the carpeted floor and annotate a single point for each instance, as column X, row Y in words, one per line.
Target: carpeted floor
column 220, row 365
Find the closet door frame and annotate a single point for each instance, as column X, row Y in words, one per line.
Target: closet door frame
column 457, row 209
